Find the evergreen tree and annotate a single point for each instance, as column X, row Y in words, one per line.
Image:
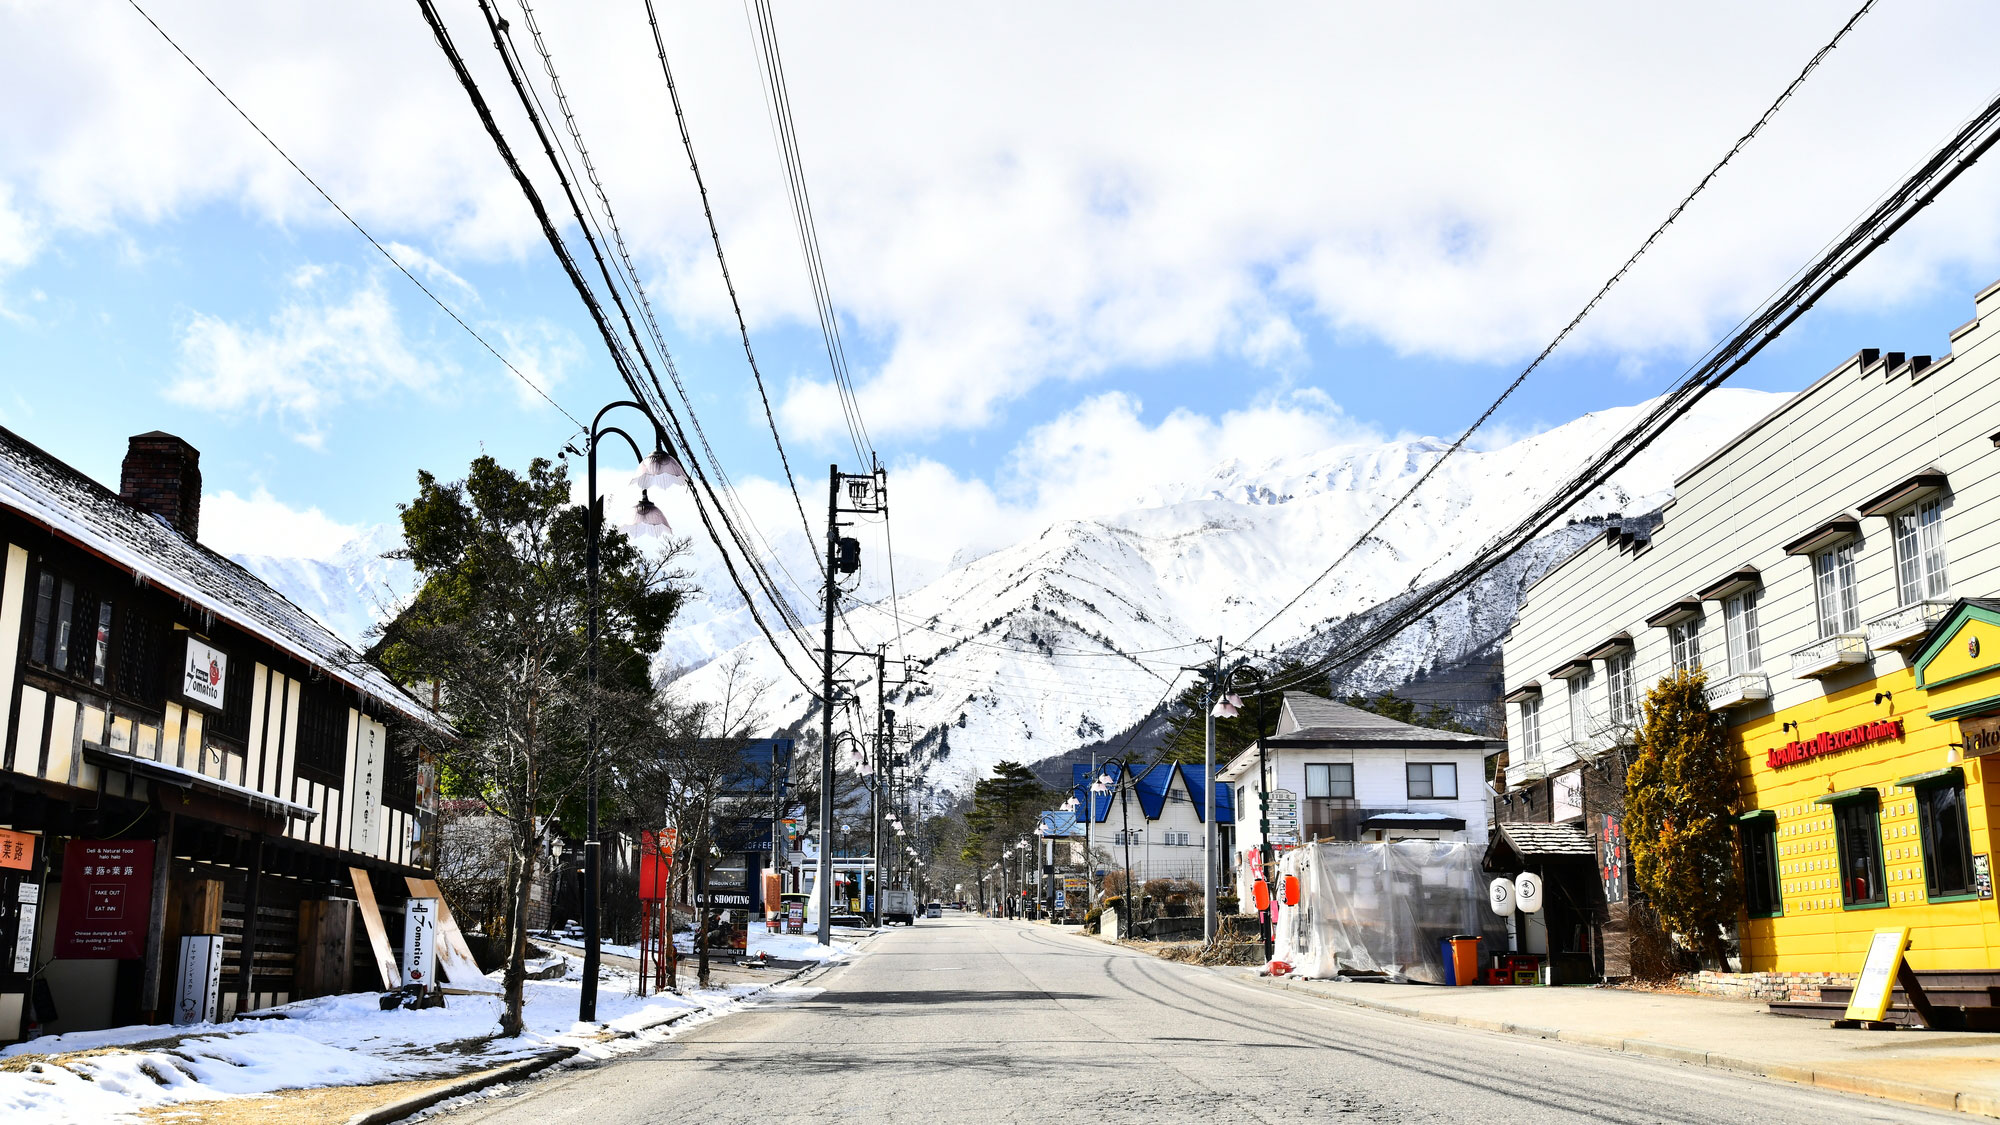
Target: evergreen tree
column 1680, row 798
column 497, row 626
column 1005, row 807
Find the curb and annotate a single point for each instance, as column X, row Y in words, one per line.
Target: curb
column 417, row 1103
column 473, row 1083
column 1932, row 1097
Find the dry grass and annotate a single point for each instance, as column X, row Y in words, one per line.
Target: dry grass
column 323, row 1105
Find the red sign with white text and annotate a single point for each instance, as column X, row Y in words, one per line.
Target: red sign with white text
column 656, row 859
column 107, row 899
column 1832, row 742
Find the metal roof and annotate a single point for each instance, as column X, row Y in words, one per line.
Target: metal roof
column 1151, row 787
column 43, row 490
column 1323, row 720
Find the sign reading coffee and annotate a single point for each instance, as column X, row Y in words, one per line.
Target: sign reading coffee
column 204, row 674
column 1832, row 742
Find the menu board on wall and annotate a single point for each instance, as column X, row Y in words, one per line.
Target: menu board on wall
column 107, row 899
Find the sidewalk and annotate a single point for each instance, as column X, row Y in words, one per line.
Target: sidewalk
column 1942, row 1070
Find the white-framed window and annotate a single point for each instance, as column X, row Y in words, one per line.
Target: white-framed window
column 1435, row 781
column 1331, row 779
column 1129, row 836
column 1579, row 706
column 1739, row 621
column 1920, row 552
column 1685, row 638
column 1834, row 590
column 1531, row 727
column 1618, row 687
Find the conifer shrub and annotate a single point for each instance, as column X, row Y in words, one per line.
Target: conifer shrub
column 1680, row 801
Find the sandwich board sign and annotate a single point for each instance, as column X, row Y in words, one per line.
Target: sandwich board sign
column 200, row 979
column 1870, row 1000
column 420, row 942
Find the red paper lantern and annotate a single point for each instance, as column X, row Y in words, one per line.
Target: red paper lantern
column 1291, row 890
column 1261, row 892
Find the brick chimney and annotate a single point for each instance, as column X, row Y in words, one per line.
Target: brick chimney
column 162, row 475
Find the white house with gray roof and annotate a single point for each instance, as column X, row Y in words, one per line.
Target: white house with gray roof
column 1336, row 772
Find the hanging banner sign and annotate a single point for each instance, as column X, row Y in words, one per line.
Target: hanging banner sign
column 1611, row 857
column 1832, row 742
column 107, row 900
column 203, row 674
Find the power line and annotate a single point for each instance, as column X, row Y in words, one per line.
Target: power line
column 554, row 238
column 1793, row 299
column 1769, row 112
column 363, row 231
column 778, row 101
column 715, row 236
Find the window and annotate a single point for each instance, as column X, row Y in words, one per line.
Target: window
column 1333, row 780
column 1618, row 685
column 1128, row 836
column 1919, row 532
column 1833, row 586
column 1579, row 708
column 142, row 659
column 1433, row 781
column 1947, row 840
column 1739, row 621
column 1759, row 838
column 1685, row 637
column 235, row 720
column 322, row 755
column 1531, row 728
column 399, row 778
column 1858, row 832
column 76, row 632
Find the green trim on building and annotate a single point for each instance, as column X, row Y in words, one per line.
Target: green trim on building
column 1947, row 775
column 1848, row 796
column 1976, row 707
column 1943, row 632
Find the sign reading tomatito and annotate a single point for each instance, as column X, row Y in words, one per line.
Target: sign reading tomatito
column 1832, row 742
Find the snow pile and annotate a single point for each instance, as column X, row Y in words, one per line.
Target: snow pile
column 107, row 1076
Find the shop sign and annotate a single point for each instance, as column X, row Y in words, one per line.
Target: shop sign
column 1980, row 736
column 200, row 979
column 30, row 895
column 17, row 850
column 1567, row 796
column 1982, row 875
column 203, row 675
column 1832, row 742
column 107, row 899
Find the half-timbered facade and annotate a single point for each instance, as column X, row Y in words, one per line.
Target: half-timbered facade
column 182, row 751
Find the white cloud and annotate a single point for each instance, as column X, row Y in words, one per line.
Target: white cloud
column 1060, row 190
column 262, row 524
column 317, row 352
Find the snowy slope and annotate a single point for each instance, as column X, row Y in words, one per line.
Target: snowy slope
column 1018, row 649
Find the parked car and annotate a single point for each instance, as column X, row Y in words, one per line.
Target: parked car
column 934, row 910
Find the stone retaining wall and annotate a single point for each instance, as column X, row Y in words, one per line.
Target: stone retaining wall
column 1766, row 986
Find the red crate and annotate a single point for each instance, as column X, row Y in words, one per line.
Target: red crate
column 1498, row 976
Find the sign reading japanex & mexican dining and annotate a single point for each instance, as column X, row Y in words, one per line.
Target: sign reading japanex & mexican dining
column 1832, row 742
column 107, row 899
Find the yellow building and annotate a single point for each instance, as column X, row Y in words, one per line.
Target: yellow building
column 1872, row 806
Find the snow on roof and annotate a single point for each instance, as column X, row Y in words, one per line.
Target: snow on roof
column 73, row 506
column 1323, row 720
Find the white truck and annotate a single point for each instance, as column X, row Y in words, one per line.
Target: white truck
column 899, row 904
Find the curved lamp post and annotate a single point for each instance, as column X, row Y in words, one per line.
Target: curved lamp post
column 658, row 467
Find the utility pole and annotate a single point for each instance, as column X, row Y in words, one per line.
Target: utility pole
column 1208, row 919
column 824, row 880
column 843, row 556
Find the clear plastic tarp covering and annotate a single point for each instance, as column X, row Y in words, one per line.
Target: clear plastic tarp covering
column 1384, row 908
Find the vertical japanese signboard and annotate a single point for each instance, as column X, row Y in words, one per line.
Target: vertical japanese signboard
column 366, row 800
column 107, row 899
column 656, row 862
column 200, row 979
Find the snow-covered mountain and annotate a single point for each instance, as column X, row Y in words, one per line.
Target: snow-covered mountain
column 1079, row 632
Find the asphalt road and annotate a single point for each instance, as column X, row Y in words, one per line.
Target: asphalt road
column 972, row 1019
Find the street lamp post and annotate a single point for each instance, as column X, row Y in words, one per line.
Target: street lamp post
column 659, row 468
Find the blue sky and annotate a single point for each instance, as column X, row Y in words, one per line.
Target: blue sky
column 1050, row 259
